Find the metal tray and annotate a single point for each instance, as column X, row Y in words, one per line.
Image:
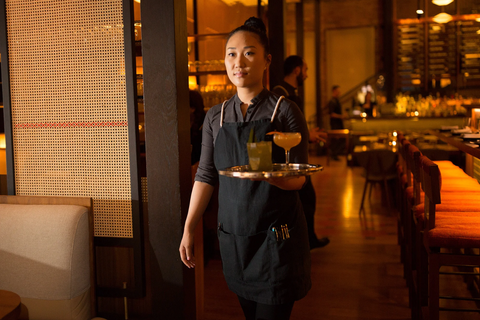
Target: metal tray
column 279, row 170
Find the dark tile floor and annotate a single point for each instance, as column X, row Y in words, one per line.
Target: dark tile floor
column 358, row 275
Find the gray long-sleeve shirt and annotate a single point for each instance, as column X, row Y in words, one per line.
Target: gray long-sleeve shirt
column 288, row 118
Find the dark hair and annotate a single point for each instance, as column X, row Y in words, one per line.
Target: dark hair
column 291, row 63
column 256, row 26
column 335, row 87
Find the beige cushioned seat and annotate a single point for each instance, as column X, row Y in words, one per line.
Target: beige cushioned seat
column 44, row 258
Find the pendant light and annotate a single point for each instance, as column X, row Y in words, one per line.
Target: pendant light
column 442, row 2
column 442, row 18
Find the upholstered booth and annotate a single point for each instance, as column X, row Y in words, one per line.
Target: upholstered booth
column 46, row 256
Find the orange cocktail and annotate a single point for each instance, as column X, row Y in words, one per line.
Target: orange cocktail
column 287, row 140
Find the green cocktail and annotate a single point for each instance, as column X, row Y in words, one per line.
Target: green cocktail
column 260, row 156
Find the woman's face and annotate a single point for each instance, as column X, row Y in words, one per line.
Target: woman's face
column 245, row 60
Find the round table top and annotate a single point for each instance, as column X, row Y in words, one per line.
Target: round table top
column 9, row 305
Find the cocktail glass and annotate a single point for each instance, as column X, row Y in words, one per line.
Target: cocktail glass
column 260, row 156
column 287, row 140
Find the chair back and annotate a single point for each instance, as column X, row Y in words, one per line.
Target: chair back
column 431, row 183
column 413, row 157
column 379, row 164
column 408, row 164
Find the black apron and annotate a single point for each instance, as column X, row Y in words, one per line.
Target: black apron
column 261, row 228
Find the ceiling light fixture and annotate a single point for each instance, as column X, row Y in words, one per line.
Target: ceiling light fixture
column 442, row 18
column 419, row 11
column 442, row 2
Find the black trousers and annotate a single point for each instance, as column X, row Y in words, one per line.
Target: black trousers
column 308, row 200
column 259, row 311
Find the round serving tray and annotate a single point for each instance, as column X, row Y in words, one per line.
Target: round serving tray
column 279, row 170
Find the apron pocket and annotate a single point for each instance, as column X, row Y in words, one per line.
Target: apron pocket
column 245, row 257
column 290, row 258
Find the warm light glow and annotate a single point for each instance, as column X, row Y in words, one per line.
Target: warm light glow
column 3, row 145
column 192, row 82
column 416, row 113
column 442, row 2
column 137, row 1
column 348, row 197
column 395, row 133
column 394, row 143
column 363, row 114
column 442, row 18
column 419, row 11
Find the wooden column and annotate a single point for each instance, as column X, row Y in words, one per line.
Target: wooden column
column 276, row 34
column 300, row 37
column 318, row 69
column 388, row 49
column 164, row 50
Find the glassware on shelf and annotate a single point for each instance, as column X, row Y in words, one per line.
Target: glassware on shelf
column 208, row 66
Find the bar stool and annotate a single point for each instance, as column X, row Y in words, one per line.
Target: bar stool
column 444, row 235
column 455, row 180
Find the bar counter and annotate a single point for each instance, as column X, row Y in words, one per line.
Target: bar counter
column 457, row 143
column 404, row 124
column 472, row 158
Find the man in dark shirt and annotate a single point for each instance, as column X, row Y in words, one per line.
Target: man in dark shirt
column 295, row 71
column 336, row 121
column 335, row 110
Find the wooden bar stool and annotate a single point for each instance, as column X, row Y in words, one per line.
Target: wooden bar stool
column 447, row 237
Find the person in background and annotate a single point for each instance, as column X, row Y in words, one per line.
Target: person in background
column 295, row 73
column 262, row 230
column 197, row 115
column 336, row 122
column 368, row 105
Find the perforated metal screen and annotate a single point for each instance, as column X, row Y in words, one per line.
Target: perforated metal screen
column 68, row 100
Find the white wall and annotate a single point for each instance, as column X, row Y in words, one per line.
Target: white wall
column 350, row 55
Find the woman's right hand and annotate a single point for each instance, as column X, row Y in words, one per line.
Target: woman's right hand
column 186, row 250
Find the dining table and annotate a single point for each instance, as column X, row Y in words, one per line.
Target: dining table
column 9, row 305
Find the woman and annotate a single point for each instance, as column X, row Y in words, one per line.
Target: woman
column 268, row 269
column 368, row 105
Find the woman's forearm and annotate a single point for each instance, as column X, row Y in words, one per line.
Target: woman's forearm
column 201, row 194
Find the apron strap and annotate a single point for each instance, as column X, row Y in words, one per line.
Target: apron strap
column 221, row 114
column 271, row 120
column 276, row 107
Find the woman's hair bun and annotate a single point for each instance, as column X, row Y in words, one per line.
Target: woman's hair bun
column 256, row 23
